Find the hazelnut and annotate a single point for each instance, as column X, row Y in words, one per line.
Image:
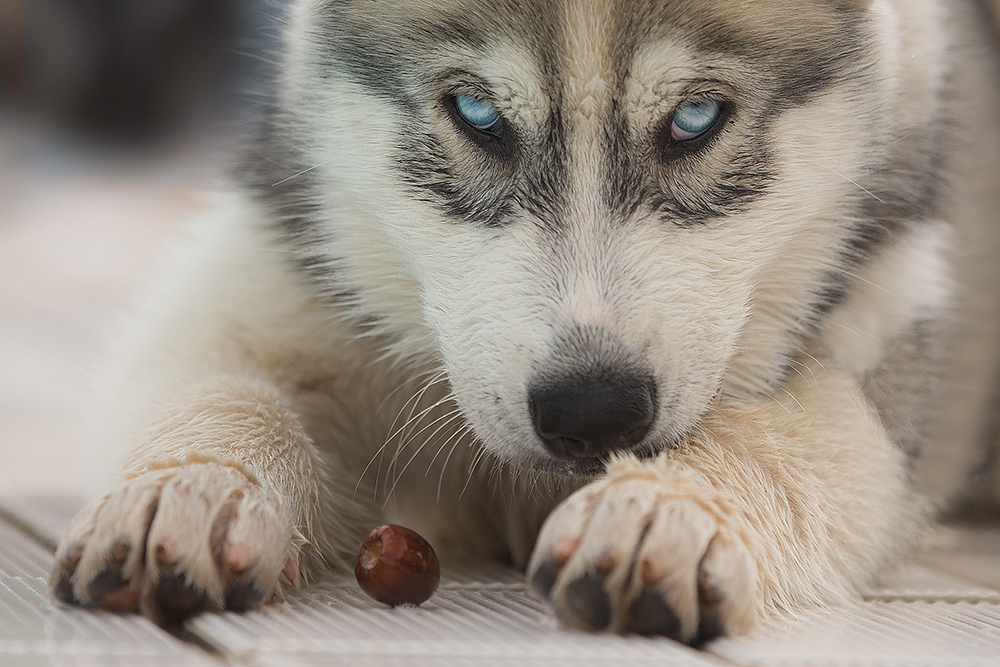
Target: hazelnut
column 397, row 567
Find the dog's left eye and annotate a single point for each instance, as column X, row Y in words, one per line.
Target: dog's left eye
column 479, row 114
column 693, row 119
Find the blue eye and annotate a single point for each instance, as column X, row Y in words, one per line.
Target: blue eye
column 693, row 119
column 480, row 114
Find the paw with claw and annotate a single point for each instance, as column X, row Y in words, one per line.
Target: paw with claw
column 175, row 541
column 643, row 554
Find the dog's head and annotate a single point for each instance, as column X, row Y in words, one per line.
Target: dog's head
column 595, row 214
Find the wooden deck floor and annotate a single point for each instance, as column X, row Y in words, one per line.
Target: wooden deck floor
column 941, row 610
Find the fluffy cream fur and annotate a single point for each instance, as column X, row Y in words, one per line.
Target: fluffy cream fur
column 271, row 425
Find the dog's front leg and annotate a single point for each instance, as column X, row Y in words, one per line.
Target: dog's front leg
column 769, row 506
column 214, row 511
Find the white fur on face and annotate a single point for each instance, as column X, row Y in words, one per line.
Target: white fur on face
column 705, row 308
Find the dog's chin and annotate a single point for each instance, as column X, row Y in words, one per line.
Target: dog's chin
column 578, row 468
column 585, row 469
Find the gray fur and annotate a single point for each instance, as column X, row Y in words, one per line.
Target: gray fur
column 368, row 330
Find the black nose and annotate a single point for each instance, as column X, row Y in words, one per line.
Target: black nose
column 589, row 419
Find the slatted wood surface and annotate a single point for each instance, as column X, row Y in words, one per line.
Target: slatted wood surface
column 933, row 612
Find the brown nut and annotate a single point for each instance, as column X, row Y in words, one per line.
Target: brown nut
column 397, row 567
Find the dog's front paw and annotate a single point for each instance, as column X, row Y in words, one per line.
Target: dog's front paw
column 637, row 554
column 175, row 541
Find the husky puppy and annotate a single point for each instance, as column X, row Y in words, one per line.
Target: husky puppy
column 688, row 307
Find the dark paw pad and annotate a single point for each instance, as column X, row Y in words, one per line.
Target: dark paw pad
column 63, row 576
column 63, row 589
column 710, row 597
column 243, row 596
column 111, row 590
column 589, row 603
column 653, row 615
column 544, row 578
column 710, row 627
column 176, row 599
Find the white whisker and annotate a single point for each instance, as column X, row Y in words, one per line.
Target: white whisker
column 380, row 453
column 791, row 396
column 462, row 432
column 455, row 417
column 448, row 419
column 304, row 171
column 402, row 441
column 479, row 456
column 849, row 180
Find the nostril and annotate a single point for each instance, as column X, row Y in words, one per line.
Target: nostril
column 590, row 418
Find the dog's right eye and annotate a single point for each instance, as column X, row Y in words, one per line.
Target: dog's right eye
column 479, row 114
column 693, row 126
column 693, row 119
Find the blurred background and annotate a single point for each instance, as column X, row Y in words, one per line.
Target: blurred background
column 117, row 117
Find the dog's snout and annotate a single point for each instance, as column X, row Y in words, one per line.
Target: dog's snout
column 581, row 419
